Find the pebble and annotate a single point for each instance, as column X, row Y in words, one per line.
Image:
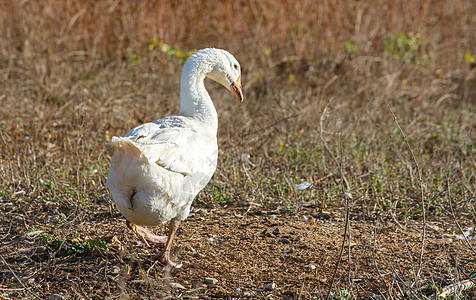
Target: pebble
column 288, row 251
column 56, row 296
column 210, row 280
column 270, row 286
column 176, row 285
column 33, row 234
column 310, row 266
column 302, row 186
column 115, row 270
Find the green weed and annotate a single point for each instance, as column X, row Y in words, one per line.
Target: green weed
column 470, row 59
column 220, row 194
column 172, row 52
column 72, row 246
column 351, row 48
column 407, row 46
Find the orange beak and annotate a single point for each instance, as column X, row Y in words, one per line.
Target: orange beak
column 237, row 89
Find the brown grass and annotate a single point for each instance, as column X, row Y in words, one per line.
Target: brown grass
column 75, row 73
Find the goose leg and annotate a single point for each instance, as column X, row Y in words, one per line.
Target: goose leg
column 164, row 256
column 145, row 234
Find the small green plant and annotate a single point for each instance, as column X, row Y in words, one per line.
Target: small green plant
column 470, row 59
column 60, row 218
column 73, row 246
column 86, row 204
column 342, row 294
column 407, row 46
column 296, row 29
column 132, row 58
column 172, row 52
column 219, row 195
column 47, row 183
column 44, row 238
column 350, row 48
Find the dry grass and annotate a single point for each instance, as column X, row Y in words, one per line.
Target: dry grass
column 75, row 73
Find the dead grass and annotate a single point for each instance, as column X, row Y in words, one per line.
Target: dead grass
column 75, row 73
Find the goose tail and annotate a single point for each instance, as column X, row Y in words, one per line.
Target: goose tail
column 125, row 146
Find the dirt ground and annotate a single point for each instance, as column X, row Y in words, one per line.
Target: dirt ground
column 245, row 251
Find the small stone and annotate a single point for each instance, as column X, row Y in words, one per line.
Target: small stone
column 210, row 280
column 310, row 267
column 176, row 285
column 302, row 186
column 270, row 286
column 323, row 216
column 56, row 296
column 288, row 251
column 33, row 234
column 115, row 270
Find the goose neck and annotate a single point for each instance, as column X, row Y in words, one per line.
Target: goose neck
column 195, row 102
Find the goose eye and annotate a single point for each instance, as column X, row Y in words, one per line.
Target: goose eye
column 235, row 66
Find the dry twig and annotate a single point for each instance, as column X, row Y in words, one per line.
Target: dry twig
column 345, row 188
column 18, row 279
column 420, row 180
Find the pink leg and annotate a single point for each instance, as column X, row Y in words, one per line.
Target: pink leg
column 164, row 257
column 146, row 235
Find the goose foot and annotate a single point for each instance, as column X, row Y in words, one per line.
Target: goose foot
column 164, row 259
column 164, row 256
column 146, row 235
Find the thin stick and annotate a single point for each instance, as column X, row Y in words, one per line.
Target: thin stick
column 454, row 216
column 18, row 279
column 321, row 136
column 348, row 195
column 340, row 253
column 422, row 248
column 345, row 188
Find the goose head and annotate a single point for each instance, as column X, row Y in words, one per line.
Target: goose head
column 226, row 70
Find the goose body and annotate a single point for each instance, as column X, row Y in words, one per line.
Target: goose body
column 158, row 168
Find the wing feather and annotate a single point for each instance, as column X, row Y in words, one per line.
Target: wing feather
column 176, row 146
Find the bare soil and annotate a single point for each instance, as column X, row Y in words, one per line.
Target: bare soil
column 245, row 248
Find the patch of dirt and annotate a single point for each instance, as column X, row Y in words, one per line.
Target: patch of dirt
column 251, row 251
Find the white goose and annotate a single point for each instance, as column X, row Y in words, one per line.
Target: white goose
column 158, row 168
